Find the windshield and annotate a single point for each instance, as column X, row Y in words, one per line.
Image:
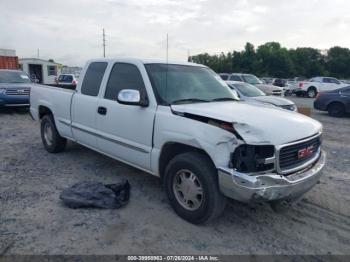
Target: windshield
column 248, row 90
column 10, row 77
column 251, row 79
column 187, row 84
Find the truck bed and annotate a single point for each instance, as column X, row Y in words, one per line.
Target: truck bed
column 58, row 100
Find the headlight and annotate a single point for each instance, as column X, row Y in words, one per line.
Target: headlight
column 2, row 91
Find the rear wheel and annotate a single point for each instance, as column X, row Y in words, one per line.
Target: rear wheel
column 192, row 187
column 311, row 92
column 50, row 137
column 336, row 110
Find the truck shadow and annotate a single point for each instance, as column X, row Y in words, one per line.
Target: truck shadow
column 14, row 110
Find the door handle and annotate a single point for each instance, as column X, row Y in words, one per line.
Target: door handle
column 102, row 110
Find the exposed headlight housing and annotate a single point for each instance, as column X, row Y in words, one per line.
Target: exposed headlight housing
column 253, row 158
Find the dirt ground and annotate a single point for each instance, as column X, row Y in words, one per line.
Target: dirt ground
column 34, row 221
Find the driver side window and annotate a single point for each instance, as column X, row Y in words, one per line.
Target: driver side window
column 124, row 76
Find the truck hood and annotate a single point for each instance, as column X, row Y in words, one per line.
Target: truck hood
column 275, row 100
column 256, row 124
column 16, row 85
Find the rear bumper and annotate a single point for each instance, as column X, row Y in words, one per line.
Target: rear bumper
column 269, row 187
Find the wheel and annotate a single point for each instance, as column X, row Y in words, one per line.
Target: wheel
column 336, row 110
column 191, row 185
column 51, row 139
column 311, row 92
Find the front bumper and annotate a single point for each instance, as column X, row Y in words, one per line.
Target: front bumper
column 14, row 101
column 271, row 186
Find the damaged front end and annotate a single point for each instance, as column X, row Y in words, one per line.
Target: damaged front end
column 260, row 164
column 272, row 173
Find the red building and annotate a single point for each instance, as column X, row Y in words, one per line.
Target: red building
column 8, row 59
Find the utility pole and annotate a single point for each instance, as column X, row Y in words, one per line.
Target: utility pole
column 167, row 47
column 104, row 42
column 38, row 53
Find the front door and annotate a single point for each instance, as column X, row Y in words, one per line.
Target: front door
column 125, row 131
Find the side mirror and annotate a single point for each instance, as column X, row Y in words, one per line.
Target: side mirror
column 131, row 97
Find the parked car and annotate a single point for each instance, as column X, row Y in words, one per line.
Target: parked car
column 279, row 82
column 224, row 76
column 336, row 102
column 67, row 80
column 250, row 93
column 253, row 80
column 293, row 83
column 267, row 80
column 182, row 123
column 14, row 88
column 318, row 84
column 345, row 81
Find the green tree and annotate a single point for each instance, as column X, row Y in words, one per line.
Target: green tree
column 338, row 62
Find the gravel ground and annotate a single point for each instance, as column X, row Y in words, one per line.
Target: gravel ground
column 34, row 221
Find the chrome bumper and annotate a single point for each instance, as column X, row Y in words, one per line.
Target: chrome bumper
column 271, row 186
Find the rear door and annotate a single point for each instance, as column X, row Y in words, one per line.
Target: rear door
column 85, row 103
column 125, row 131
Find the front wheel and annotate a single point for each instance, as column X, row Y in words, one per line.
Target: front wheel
column 50, row 137
column 192, row 187
column 311, row 92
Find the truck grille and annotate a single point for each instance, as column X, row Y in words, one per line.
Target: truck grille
column 17, row 91
column 295, row 155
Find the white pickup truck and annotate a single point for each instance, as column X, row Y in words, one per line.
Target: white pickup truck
column 318, row 84
column 181, row 122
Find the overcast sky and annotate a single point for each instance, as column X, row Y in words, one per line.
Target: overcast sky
column 70, row 31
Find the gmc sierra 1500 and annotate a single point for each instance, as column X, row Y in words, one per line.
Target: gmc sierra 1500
column 181, row 122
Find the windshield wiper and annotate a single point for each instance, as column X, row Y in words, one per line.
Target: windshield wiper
column 189, row 100
column 223, row 99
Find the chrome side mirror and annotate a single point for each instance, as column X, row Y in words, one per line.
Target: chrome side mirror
column 131, row 97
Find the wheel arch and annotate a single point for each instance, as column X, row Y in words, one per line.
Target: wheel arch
column 44, row 110
column 335, row 102
column 171, row 149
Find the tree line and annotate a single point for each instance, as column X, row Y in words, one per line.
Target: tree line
column 273, row 60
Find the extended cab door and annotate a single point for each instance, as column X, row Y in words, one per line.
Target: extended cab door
column 85, row 104
column 126, row 131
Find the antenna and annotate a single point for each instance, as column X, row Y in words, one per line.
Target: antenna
column 104, row 42
column 167, row 65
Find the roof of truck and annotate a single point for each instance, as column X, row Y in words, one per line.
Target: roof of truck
column 144, row 61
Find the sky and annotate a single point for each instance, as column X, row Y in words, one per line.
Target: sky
column 70, row 31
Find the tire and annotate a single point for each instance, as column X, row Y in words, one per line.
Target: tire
column 336, row 109
column 311, row 92
column 50, row 137
column 179, row 174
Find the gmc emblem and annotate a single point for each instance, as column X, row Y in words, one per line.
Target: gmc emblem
column 305, row 152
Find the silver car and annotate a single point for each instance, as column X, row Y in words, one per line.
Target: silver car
column 250, row 93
